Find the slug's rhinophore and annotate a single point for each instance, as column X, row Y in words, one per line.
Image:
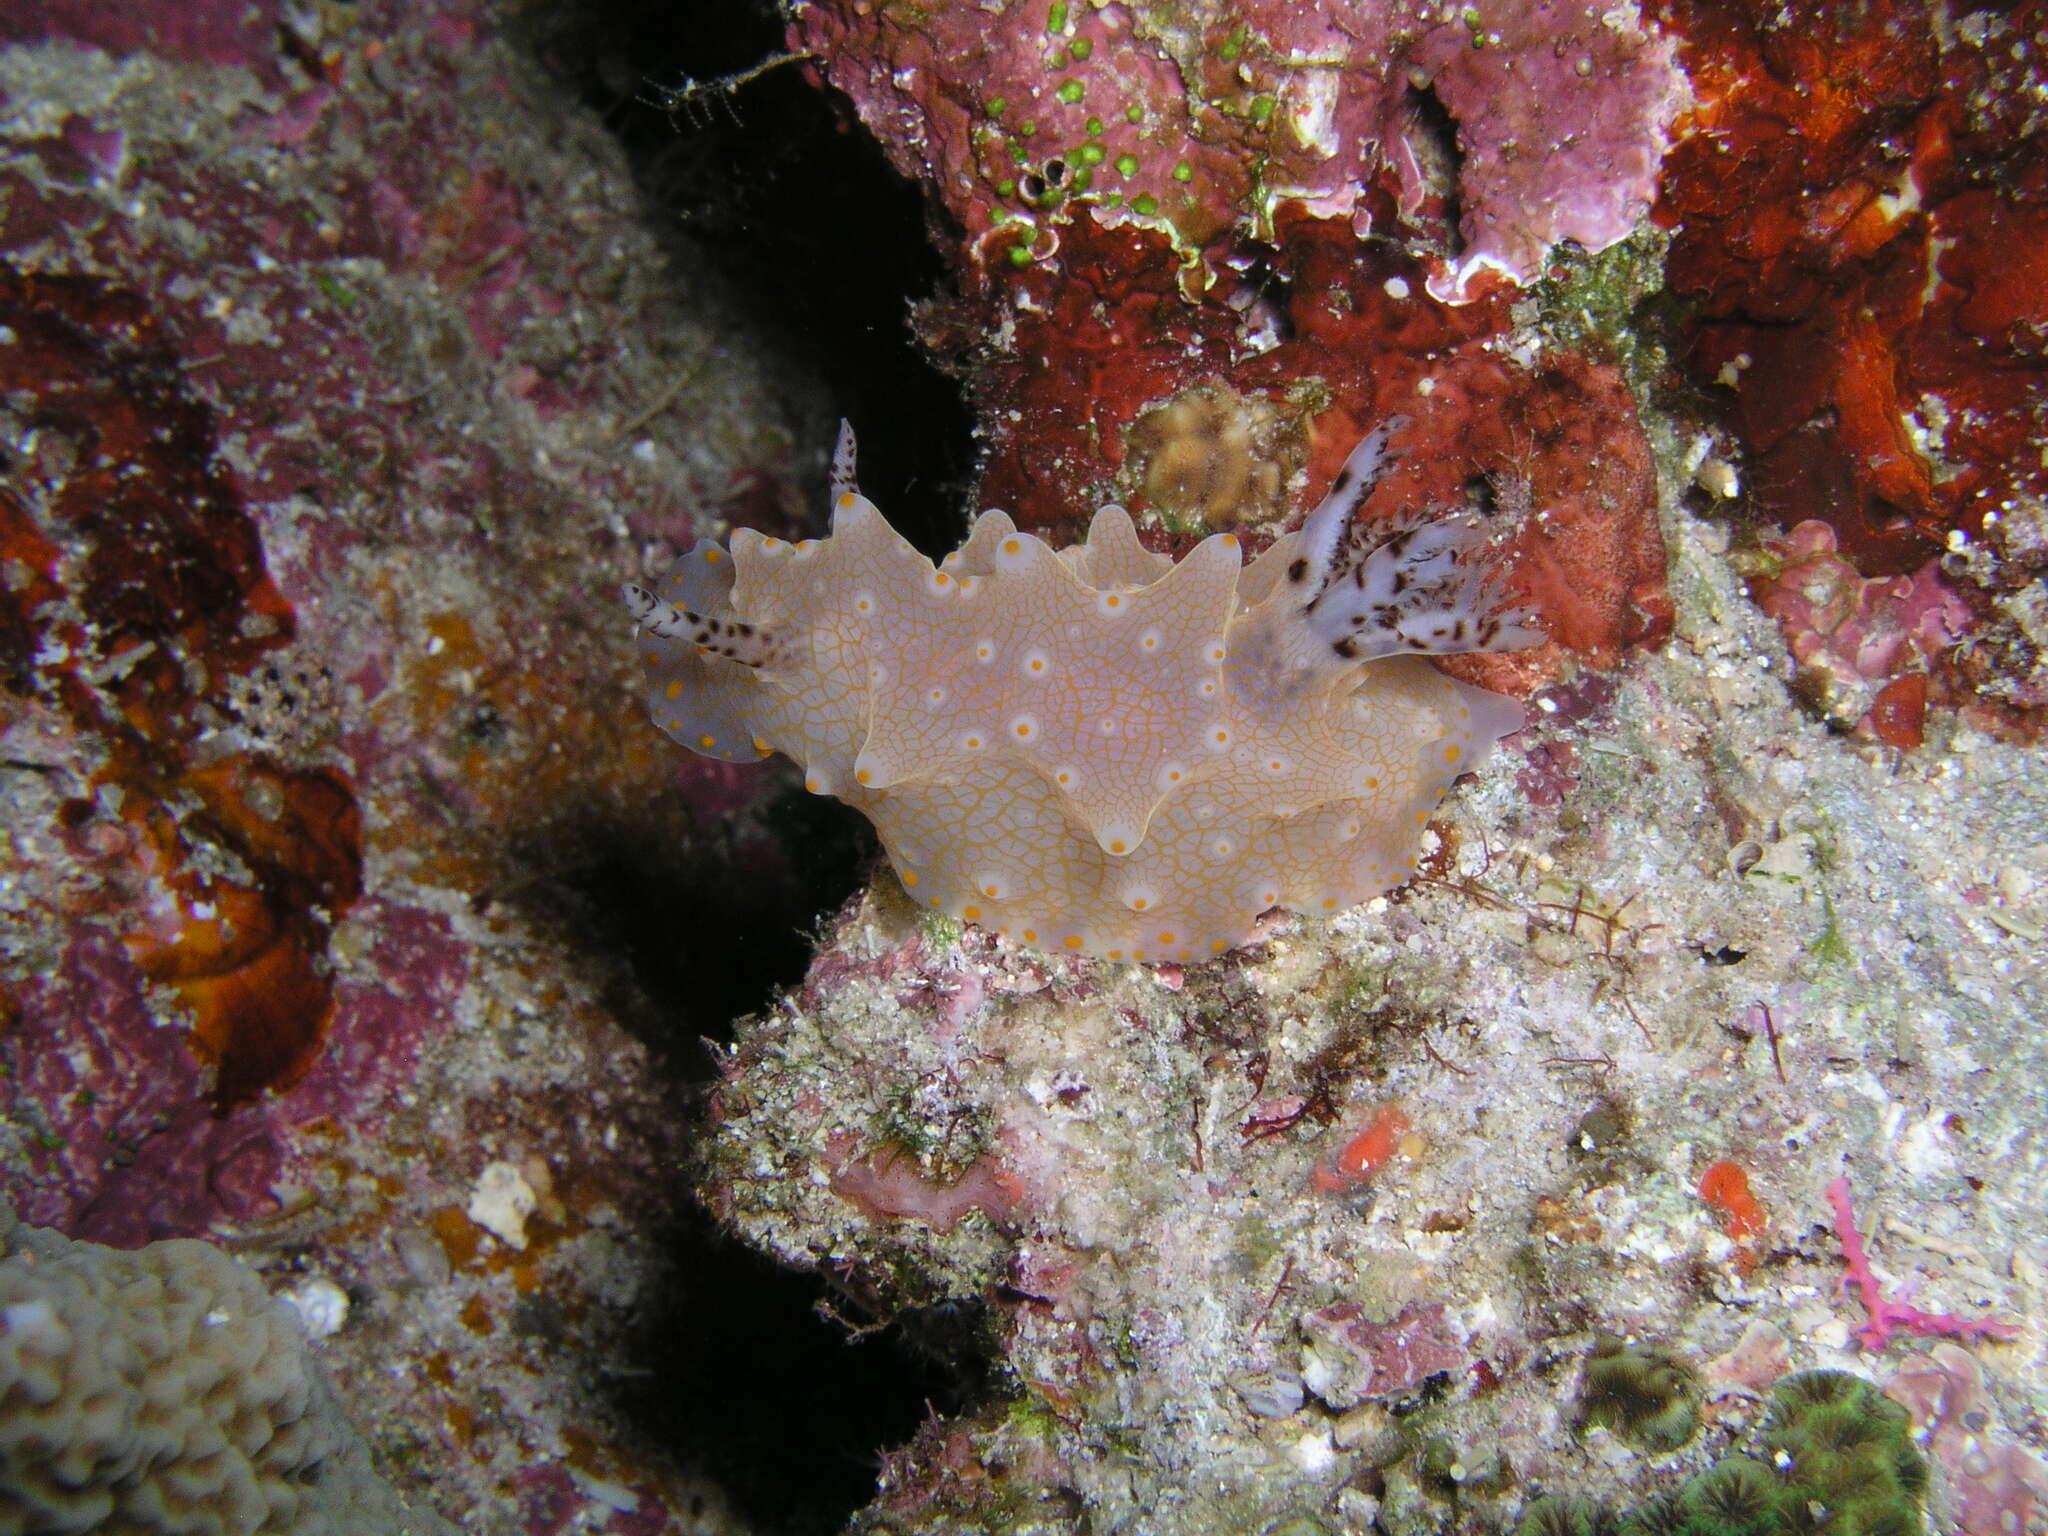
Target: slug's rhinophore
column 1101, row 750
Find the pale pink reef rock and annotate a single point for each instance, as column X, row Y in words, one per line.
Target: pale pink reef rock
column 1528, row 125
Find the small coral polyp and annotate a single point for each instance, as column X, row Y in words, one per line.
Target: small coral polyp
column 1100, row 750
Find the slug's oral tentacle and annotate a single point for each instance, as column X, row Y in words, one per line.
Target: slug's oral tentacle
column 843, row 454
column 734, row 639
column 1324, row 531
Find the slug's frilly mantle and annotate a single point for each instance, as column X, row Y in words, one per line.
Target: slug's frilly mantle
column 1100, row 750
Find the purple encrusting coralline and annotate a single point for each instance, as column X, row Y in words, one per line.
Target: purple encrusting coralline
column 1852, row 634
column 130, row 1149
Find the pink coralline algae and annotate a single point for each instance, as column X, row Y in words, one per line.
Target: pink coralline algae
column 1853, row 637
column 1199, row 120
column 887, row 1185
column 1885, row 1315
column 1992, row 1484
column 199, row 32
column 127, row 1148
column 1349, row 1359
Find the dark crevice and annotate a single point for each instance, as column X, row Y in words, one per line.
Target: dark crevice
column 750, row 1373
column 815, row 250
column 1433, row 139
column 822, row 247
column 741, row 1370
column 683, row 931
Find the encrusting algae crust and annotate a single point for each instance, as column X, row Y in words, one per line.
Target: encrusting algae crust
column 1100, row 750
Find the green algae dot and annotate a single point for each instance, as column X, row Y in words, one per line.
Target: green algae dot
column 1094, row 127
column 1080, row 49
column 1008, row 187
column 1093, row 154
column 996, row 104
column 1134, row 113
column 1127, row 164
column 1056, row 18
column 1145, row 203
column 1020, row 255
column 1070, row 91
column 1082, row 179
column 1262, row 108
column 1183, row 172
column 1026, row 129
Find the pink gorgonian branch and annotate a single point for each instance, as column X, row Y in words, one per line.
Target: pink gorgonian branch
column 1885, row 1315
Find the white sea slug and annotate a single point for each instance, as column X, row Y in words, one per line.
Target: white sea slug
column 1101, row 750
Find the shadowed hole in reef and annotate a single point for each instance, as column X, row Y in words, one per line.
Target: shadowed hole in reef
column 683, row 930
column 820, row 244
column 734, row 1366
column 744, row 1376
column 818, row 249
column 1433, row 140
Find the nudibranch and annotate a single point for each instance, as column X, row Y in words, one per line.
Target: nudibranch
column 1100, row 750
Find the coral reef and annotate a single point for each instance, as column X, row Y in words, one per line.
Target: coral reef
column 353, row 916
column 166, row 1390
column 1200, row 250
column 1160, row 217
column 1539, row 1051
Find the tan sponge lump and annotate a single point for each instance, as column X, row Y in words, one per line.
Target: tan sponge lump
column 165, row 1389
